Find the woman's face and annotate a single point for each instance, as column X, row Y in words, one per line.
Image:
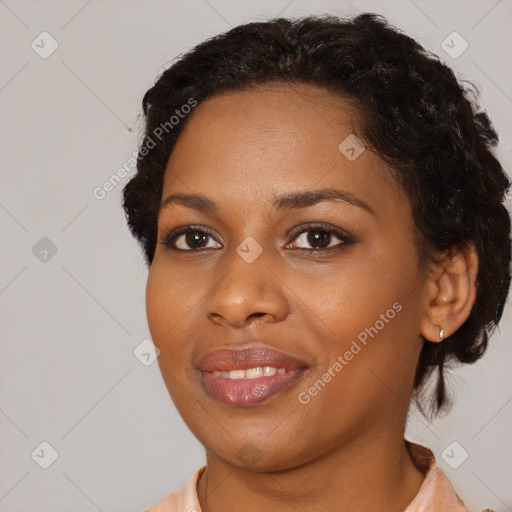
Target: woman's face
column 329, row 322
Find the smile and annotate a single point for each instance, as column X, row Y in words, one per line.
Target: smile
column 237, row 389
column 250, row 373
column 248, row 376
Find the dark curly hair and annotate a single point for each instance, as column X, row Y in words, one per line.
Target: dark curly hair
column 413, row 112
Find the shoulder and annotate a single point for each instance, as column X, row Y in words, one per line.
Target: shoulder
column 182, row 500
column 436, row 493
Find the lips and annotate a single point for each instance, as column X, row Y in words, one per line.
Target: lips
column 250, row 357
column 269, row 372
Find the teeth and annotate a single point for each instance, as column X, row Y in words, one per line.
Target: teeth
column 237, row 374
column 254, row 373
column 220, row 374
column 250, row 373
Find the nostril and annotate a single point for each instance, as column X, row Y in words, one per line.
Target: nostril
column 256, row 315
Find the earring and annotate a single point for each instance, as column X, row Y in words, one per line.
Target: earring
column 441, row 335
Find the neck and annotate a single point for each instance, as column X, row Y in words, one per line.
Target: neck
column 371, row 473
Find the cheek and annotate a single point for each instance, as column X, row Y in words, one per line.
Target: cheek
column 173, row 303
column 379, row 357
column 345, row 303
column 166, row 308
column 156, row 305
column 367, row 316
column 169, row 296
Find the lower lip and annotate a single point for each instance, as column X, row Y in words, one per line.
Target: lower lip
column 248, row 392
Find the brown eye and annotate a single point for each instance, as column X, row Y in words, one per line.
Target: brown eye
column 190, row 239
column 318, row 238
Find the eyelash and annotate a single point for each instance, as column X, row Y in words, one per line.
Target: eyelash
column 344, row 237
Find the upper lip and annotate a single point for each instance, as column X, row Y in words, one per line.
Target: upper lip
column 248, row 357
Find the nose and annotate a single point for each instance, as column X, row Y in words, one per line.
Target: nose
column 246, row 292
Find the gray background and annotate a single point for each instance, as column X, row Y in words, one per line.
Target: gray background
column 70, row 321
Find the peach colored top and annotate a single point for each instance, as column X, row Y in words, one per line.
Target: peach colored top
column 435, row 495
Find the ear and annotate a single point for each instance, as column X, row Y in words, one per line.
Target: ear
column 451, row 293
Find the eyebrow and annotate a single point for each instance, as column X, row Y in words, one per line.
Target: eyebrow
column 292, row 200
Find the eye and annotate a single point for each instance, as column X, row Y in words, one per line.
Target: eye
column 189, row 238
column 321, row 236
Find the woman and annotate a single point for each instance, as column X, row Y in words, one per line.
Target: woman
column 321, row 212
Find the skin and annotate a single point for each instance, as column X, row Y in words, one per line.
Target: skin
column 343, row 450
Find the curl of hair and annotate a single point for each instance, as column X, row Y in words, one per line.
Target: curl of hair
column 413, row 112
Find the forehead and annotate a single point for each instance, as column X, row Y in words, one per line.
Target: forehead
column 294, row 111
column 267, row 139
